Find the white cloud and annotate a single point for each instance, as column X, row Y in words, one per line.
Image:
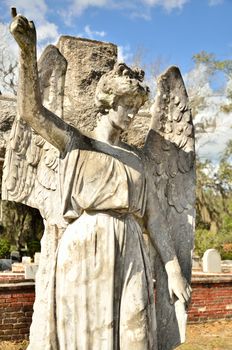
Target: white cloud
column 36, row 10
column 215, row 2
column 137, row 8
column 124, row 54
column 8, row 58
column 79, row 6
column 197, row 81
column 47, row 31
column 213, row 126
column 7, row 41
column 92, row 33
column 169, row 5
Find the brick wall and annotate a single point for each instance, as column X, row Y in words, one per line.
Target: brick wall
column 211, row 300
column 16, row 303
column 8, row 277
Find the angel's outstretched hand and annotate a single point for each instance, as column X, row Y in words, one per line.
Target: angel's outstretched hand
column 23, row 31
column 177, row 285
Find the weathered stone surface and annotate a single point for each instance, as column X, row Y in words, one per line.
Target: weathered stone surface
column 87, row 60
column 26, row 260
column 212, row 261
column 30, row 271
column 5, row 264
column 7, row 115
column 136, row 133
column 97, row 193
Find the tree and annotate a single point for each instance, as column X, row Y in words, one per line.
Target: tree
column 8, row 63
column 214, row 205
column 213, row 66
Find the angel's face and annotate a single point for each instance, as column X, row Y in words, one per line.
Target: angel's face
column 121, row 117
column 122, row 114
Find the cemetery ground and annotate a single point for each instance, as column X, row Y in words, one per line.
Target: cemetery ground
column 204, row 336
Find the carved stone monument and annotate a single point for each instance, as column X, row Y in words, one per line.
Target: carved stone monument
column 98, row 195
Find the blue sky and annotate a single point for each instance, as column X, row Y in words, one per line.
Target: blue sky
column 173, row 30
column 168, row 31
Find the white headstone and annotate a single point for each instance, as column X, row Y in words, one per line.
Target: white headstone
column 212, row 261
column 26, row 260
column 30, row 271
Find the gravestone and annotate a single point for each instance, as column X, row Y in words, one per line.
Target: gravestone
column 26, row 260
column 5, row 264
column 15, row 256
column 212, row 261
column 30, row 271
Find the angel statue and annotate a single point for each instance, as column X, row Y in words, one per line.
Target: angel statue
column 97, row 195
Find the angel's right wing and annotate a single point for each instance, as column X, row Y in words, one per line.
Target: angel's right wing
column 170, row 151
column 31, row 163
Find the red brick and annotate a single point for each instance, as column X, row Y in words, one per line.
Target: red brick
column 20, row 325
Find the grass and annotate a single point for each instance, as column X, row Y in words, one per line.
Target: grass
column 209, row 336
column 205, row 336
column 7, row 345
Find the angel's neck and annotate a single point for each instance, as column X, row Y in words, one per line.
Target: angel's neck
column 106, row 132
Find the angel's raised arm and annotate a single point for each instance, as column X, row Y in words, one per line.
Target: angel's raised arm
column 29, row 100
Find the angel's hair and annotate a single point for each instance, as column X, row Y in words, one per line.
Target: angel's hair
column 121, row 82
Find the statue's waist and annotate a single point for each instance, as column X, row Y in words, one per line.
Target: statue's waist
column 119, row 214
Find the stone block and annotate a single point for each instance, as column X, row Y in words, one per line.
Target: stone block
column 87, row 61
column 18, row 268
column 26, row 260
column 30, row 271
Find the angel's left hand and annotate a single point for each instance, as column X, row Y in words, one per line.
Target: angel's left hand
column 177, row 284
column 179, row 287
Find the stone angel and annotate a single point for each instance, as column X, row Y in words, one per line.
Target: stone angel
column 95, row 286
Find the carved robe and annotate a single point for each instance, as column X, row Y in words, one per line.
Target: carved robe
column 103, row 296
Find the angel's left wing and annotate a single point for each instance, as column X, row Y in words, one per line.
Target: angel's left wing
column 30, row 167
column 170, row 149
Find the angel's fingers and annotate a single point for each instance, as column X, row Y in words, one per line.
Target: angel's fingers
column 189, row 291
column 180, row 297
column 171, row 295
column 185, row 295
column 31, row 24
column 13, row 12
column 23, row 21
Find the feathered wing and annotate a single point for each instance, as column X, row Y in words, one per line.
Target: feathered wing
column 30, row 176
column 31, row 163
column 170, row 150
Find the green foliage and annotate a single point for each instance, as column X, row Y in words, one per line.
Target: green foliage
column 214, row 206
column 203, row 57
column 20, row 223
column 33, row 247
column 213, row 64
column 204, row 240
column 4, row 248
column 225, row 237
